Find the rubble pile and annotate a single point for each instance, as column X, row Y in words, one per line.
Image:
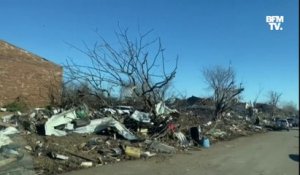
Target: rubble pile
column 65, row 140
column 228, row 129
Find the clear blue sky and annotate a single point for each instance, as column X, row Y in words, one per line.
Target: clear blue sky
column 201, row 32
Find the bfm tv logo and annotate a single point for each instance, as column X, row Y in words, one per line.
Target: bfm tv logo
column 275, row 22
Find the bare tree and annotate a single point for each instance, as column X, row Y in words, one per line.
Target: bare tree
column 257, row 95
column 274, row 98
column 138, row 65
column 222, row 81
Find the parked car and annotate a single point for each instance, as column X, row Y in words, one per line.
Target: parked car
column 291, row 122
column 282, row 124
column 294, row 121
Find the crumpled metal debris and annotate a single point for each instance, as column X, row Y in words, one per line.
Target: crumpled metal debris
column 59, row 124
column 141, row 116
column 4, row 135
column 164, row 133
column 98, row 125
column 162, row 109
column 64, row 118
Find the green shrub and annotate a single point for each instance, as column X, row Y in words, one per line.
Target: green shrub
column 16, row 106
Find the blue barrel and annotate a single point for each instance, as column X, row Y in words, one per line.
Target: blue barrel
column 206, row 143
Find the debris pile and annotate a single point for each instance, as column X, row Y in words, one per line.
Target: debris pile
column 65, row 140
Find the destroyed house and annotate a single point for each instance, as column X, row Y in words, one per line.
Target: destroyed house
column 28, row 78
column 263, row 107
column 200, row 101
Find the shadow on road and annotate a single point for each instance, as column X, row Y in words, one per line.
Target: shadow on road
column 294, row 157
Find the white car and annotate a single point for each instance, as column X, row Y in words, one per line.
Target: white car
column 282, row 124
column 291, row 122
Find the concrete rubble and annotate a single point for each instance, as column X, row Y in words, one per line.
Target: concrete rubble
column 61, row 140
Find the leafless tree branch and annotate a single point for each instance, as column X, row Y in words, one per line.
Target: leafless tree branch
column 135, row 64
column 222, row 81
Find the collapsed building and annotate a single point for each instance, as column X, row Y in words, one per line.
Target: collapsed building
column 27, row 77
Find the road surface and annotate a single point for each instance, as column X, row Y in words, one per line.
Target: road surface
column 273, row 153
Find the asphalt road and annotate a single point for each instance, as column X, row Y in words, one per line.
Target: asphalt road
column 273, row 153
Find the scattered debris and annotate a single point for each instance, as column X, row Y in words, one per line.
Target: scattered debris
column 81, row 137
column 206, row 143
column 98, row 125
column 182, row 139
column 4, row 135
column 86, row 164
column 133, row 152
column 162, row 109
column 148, row 154
column 29, row 148
column 218, row 133
column 3, row 109
column 62, row 120
column 141, row 117
column 7, row 118
column 59, row 156
column 195, row 133
column 162, row 148
column 208, row 123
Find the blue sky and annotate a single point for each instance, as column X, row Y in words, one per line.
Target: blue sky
column 202, row 33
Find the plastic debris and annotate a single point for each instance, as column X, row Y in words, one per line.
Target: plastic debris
column 133, row 152
column 205, row 143
column 86, row 164
column 59, row 156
